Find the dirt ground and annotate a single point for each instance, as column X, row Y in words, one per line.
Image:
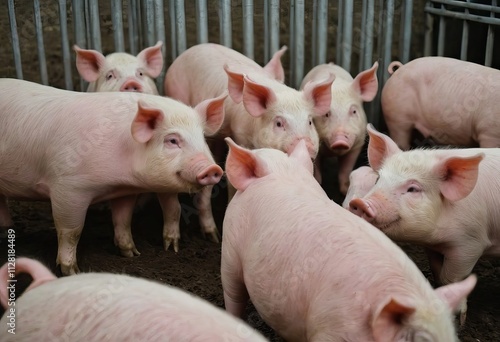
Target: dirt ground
column 196, row 268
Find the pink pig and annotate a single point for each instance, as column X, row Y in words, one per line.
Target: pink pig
column 120, row 71
column 451, row 101
column 361, row 181
column 110, row 307
column 342, row 130
column 261, row 110
column 443, row 199
column 313, row 270
column 81, row 148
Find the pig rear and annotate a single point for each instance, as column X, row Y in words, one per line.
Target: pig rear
column 314, row 271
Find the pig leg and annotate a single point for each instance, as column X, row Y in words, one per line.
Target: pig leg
column 122, row 209
column 5, row 218
column 346, row 165
column 317, row 169
column 400, row 132
column 435, row 263
column 203, row 200
column 69, row 218
column 171, row 209
column 235, row 292
column 486, row 141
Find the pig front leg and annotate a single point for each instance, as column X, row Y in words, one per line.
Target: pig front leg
column 171, row 209
column 122, row 209
column 5, row 218
column 203, row 200
column 346, row 165
column 69, row 218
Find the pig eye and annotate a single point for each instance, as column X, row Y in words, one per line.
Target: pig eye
column 172, row 140
column 279, row 122
column 310, row 122
column 109, row 76
column 354, row 111
column 139, row 73
column 327, row 114
column 413, row 188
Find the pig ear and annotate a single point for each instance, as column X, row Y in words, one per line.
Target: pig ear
column 453, row 294
column 256, row 97
column 89, row 63
column 152, row 58
column 274, row 66
column 243, row 166
column 212, row 113
column 145, row 122
column 387, row 319
column 379, row 148
column 366, row 83
column 301, row 155
column 458, row 176
column 320, row 93
column 235, row 84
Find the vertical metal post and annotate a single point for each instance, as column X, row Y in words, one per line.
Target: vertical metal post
column 116, row 18
column 63, row 20
column 133, row 26
column 201, row 21
column 274, row 21
column 465, row 37
column 405, row 37
column 180, row 27
column 347, row 35
column 149, row 27
column 95, row 29
column 267, row 29
column 79, row 31
column 173, row 32
column 388, row 38
column 160, row 35
column 248, row 41
column 226, row 37
column 15, row 40
column 490, row 39
column 299, row 47
column 291, row 42
column 428, row 34
column 368, row 35
column 340, row 29
column 39, row 43
column 321, row 31
column 441, row 35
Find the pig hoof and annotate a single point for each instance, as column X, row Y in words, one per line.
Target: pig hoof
column 168, row 241
column 129, row 253
column 68, row 270
column 214, row 235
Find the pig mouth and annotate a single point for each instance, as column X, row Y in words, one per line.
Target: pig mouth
column 385, row 226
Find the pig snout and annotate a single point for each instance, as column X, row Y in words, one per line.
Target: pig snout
column 340, row 143
column 362, row 208
column 132, row 86
column 211, row 175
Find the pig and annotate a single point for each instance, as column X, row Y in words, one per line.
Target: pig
column 342, row 130
column 361, row 181
column 443, row 199
column 111, row 307
column 261, row 111
column 76, row 149
column 449, row 101
column 313, row 270
column 120, row 71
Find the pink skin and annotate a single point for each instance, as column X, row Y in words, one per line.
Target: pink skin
column 454, row 102
column 342, row 130
column 280, row 256
column 261, row 110
column 113, row 146
column 444, row 200
column 80, row 308
column 120, row 71
column 361, row 181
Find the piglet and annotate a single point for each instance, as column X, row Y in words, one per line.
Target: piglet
column 342, row 130
column 110, row 307
column 120, row 71
column 76, row 149
column 443, row 199
column 313, row 270
column 261, row 111
column 449, row 101
column 361, row 181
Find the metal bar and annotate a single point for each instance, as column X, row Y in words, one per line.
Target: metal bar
column 95, row 30
column 160, row 35
column 347, row 35
column 39, row 43
column 456, row 15
column 79, row 31
column 133, row 35
column 173, row 33
column 63, row 20
column 322, row 31
column 465, row 38
column 291, row 42
column 299, row 38
column 388, row 38
column 274, row 20
column 225, row 23
column 201, row 21
column 180, row 27
column 340, row 28
column 469, row 5
column 149, row 27
column 248, row 41
column 116, row 18
column 405, row 45
column 362, row 38
column 441, row 35
column 266, row 30
column 489, row 40
column 429, row 34
column 368, row 34
column 314, row 33
column 15, row 40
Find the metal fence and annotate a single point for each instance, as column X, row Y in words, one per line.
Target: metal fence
column 351, row 33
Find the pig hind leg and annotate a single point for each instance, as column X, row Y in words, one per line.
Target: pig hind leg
column 400, row 132
column 171, row 209
column 346, row 164
column 122, row 209
column 5, row 218
column 235, row 292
